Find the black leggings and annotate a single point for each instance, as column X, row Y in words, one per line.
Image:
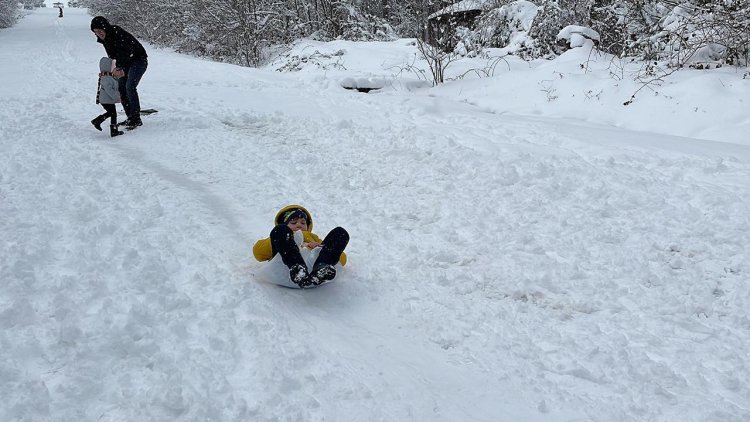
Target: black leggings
column 282, row 242
column 111, row 112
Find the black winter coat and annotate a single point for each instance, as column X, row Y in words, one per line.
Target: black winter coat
column 122, row 46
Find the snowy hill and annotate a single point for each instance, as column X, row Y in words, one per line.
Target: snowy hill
column 524, row 247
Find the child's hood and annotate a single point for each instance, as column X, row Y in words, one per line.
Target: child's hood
column 105, row 64
column 280, row 215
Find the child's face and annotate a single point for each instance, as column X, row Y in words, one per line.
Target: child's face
column 297, row 224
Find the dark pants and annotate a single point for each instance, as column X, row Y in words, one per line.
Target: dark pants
column 111, row 112
column 334, row 243
column 128, row 87
column 282, row 242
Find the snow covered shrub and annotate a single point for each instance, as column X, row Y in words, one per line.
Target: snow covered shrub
column 553, row 16
column 730, row 30
column 452, row 27
column 239, row 32
column 123, row 13
column 698, row 32
column 8, row 13
column 608, row 18
column 680, row 32
column 577, row 35
column 406, row 20
column 689, row 31
column 466, row 43
column 504, row 26
column 359, row 27
column 348, row 22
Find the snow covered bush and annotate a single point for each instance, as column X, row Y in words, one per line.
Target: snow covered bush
column 679, row 32
column 553, row 16
column 11, row 11
column 8, row 13
column 576, row 35
column 504, row 26
column 241, row 32
column 350, row 24
column 708, row 32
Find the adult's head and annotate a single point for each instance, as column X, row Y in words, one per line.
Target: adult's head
column 99, row 26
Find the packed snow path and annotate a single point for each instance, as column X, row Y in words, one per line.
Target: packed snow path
column 502, row 268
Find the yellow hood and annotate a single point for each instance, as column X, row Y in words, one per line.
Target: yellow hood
column 279, row 215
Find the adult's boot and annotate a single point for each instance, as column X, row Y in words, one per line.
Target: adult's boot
column 133, row 122
column 113, row 131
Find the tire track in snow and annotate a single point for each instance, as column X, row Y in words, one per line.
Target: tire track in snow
column 210, row 201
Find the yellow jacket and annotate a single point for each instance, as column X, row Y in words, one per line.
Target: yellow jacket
column 263, row 251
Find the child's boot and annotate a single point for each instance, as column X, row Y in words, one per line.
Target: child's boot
column 97, row 122
column 299, row 275
column 322, row 273
column 333, row 245
column 113, row 131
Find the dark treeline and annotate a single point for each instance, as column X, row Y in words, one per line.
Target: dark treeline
column 246, row 31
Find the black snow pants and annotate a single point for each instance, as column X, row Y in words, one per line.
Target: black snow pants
column 282, row 242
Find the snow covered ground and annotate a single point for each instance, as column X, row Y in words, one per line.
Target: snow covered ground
column 524, row 247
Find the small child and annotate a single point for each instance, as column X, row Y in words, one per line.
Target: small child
column 107, row 95
column 293, row 246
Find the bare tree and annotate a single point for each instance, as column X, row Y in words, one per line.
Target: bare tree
column 437, row 59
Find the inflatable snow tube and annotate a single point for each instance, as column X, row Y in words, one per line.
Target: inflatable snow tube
column 275, row 272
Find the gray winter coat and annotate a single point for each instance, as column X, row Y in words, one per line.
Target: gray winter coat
column 108, row 91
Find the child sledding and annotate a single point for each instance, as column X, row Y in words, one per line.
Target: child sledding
column 297, row 257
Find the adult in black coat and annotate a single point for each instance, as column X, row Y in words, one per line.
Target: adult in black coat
column 131, row 57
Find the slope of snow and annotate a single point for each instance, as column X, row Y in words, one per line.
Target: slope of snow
column 513, row 257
